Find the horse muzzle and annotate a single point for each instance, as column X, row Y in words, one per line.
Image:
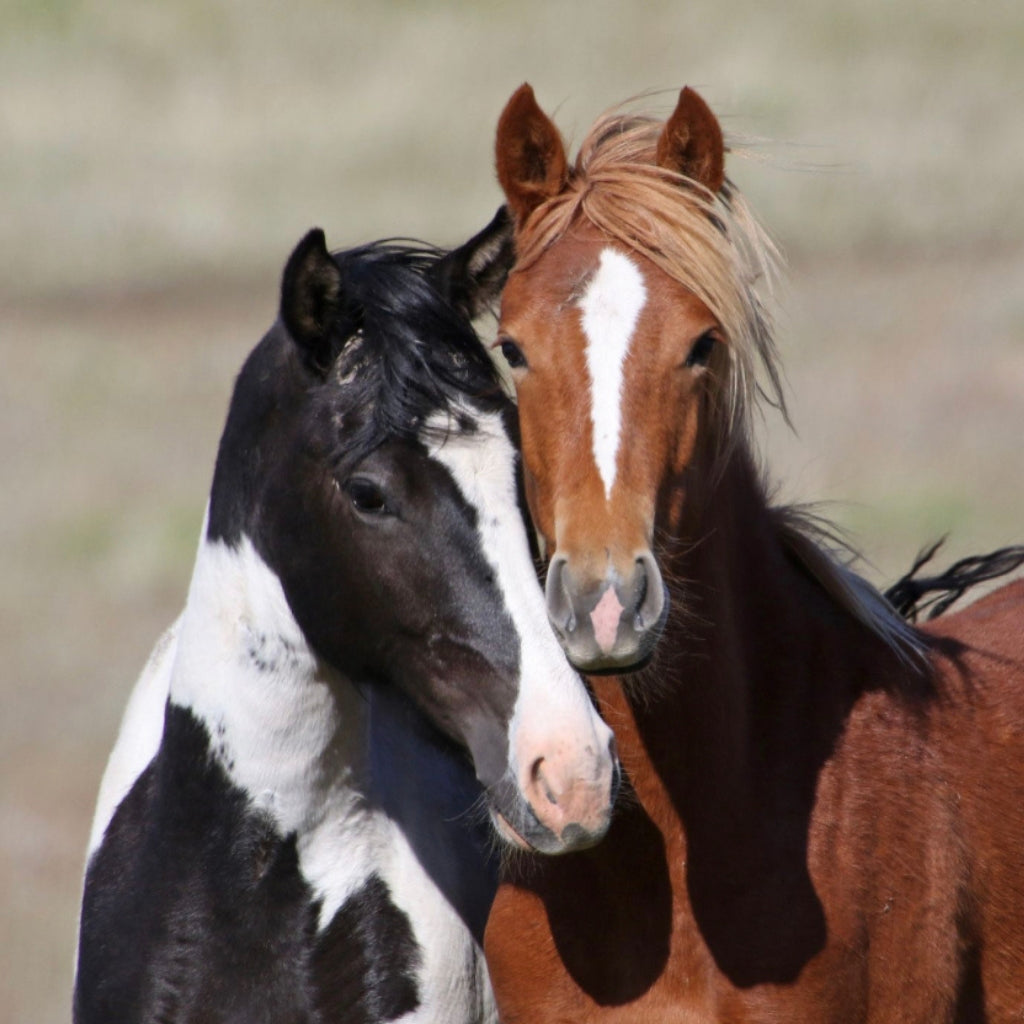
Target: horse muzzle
column 611, row 623
column 558, row 806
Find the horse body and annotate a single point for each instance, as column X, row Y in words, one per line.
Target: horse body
column 805, row 842
column 292, row 826
column 825, row 809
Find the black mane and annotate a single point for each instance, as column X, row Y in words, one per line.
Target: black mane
column 403, row 351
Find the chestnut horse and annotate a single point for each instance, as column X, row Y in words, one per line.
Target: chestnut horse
column 824, row 816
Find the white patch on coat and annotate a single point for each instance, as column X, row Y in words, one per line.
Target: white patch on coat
column 138, row 739
column 553, row 710
column 610, row 308
column 287, row 729
column 142, row 727
column 452, row 980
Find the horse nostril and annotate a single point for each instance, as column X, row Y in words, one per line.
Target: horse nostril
column 641, row 585
column 560, row 609
column 539, row 780
column 650, row 592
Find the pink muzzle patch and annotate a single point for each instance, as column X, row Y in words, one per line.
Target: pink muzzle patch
column 605, row 620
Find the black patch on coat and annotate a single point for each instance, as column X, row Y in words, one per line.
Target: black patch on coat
column 194, row 906
column 366, row 960
column 427, row 787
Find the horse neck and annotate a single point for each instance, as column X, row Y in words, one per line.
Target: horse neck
column 757, row 657
column 358, row 775
column 287, row 729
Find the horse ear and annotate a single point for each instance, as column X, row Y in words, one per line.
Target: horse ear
column 530, row 154
column 471, row 277
column 311, row 295
column 691, row 142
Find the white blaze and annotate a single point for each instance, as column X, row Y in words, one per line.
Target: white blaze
column 610, row 308
column 552, row 703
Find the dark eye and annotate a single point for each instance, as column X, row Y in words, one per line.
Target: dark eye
column 366, row 496
column 701, row 351
column 513, row 354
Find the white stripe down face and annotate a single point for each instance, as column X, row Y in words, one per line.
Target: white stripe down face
column 610, row 309
column 559, row 748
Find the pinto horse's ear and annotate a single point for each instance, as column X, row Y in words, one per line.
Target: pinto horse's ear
column 691, row 142
column 471, row 277
column 530, row 154
column 311, row 297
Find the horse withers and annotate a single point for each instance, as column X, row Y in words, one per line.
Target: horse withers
column 293, row 824
column 826, row 812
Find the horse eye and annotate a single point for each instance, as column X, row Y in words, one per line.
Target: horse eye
column 701, row 351
column 513, row 355
column 366, row 496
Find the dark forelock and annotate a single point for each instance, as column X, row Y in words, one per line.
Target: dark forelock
column 405, row 351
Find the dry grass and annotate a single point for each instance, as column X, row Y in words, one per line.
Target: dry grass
column 159, row 162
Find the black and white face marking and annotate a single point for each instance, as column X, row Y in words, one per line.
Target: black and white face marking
column 400, row 549
column 441, row 600
column 556, row 760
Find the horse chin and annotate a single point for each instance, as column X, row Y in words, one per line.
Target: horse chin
column 508, row 833
column 601, row 665
column 539, row 839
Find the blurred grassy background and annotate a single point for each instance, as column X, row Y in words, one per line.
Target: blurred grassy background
column 157, row 163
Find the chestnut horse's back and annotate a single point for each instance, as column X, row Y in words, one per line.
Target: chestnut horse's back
column 982, row 738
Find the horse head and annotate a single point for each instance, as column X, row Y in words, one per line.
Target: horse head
column 625, row 323
column 368, row 458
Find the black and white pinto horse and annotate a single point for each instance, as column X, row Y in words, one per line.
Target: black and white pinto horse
column 292, row 825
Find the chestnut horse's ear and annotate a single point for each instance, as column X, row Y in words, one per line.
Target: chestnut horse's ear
column 472, row 276
column 530, row 154
column 311, row 297
column 691, row 142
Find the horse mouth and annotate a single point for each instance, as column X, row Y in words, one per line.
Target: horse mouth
column 507, row 832
column 572, row 840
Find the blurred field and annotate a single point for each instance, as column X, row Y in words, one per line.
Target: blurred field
column 157, row 163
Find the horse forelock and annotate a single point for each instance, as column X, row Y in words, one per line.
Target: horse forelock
column 405, row 352
column 712, row 245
